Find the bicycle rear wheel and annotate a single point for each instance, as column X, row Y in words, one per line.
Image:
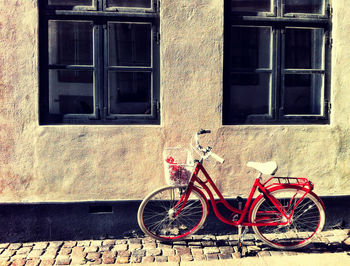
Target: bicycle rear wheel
column 158, row 214
column 307, row 220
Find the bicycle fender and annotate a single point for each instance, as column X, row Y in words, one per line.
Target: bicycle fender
column 282, row 186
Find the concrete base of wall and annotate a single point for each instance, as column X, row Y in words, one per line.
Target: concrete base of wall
column 101, row 220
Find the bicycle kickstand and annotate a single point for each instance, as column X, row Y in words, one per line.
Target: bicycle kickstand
column 241, row 237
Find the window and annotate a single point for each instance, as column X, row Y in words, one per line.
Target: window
column 99, row 62
column 276, row 62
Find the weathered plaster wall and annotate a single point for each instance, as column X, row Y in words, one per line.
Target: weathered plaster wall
column 74, row 163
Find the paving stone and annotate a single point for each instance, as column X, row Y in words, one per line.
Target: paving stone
column 4, row 245
column 182, row 250
column 122, row 260
column 195, row 244
column 153, row 252
column 168, row 252
column 65, row 251
column 135, row 259
column 17, row 262
column 105, row 248
column 108, row 260
column 253, row 249
column 186, row 257
column 223, row 237
column 109, row 254
column 289, row 253
column 208, row 243
column 236, row 255
column 148, row 259
column 19, row 257
column 276, row 253
column 124, row 253
column 120, row 247
column 47, row 262
column 33, row 262
column 107, row 242
column 248, row 243
column 40, row 245
column 50, row 253
column 226, row 249
column 225, row 256
column 55, row 244
column 15, row 246
column 69, row 244
column 212, row 256
column 139, row 253
column 161, row 258
column 134, row 241
column 95, row 243
column 24, row 250
column 326, row 233
column 264, row 253
column 77, row 261
column 83, row 243
column 149, row 245
column 347, row 241
column 211, row 250
column 90, row 249
column 92, row 256
column 164, row 245
column 96, row 262
column 198, row 257
column 35, row 253
column 120, row 241
column 135, row 246
column 63, row 260
column 175, row 258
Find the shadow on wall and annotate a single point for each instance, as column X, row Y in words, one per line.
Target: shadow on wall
column 111, row 220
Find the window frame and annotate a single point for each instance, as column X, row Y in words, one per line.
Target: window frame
column 278, row 22
column 100, row 19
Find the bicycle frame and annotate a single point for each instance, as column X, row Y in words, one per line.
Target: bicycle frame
column 243, row 213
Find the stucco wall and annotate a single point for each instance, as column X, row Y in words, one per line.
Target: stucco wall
column 74, row 163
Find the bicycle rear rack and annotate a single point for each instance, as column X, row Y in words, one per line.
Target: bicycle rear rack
column 299, row 181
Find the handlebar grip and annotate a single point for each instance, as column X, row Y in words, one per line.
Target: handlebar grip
column 203, row 131
column 217, row 157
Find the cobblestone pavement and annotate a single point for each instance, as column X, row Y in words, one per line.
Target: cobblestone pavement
column 147, row 250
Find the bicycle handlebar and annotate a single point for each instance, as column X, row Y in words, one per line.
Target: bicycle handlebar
column 205, row 152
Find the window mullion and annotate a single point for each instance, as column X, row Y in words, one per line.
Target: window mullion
column 279, row 51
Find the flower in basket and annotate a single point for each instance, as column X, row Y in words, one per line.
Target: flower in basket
column 178, row 173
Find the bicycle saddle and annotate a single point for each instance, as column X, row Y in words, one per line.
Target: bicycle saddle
column 268, row 168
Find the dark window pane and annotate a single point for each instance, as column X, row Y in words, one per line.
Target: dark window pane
column 70, row 2
column 130, row 92
column 303, row 94
column 70, row 98
column 128, row 3
column 250, row 47
column 303, row 48
column 129, row 44
column 252, row 6
column 251, row 99
column 70, row 43
column 304, row 6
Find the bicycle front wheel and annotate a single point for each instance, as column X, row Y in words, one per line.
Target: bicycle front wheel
column 307, row 220
column 164, row 216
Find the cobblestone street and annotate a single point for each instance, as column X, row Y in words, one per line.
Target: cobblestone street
column 147, row 250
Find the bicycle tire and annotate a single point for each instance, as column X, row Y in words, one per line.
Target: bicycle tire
column 155, row 214
column 308, row 219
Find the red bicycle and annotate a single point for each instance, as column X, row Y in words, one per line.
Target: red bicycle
column 285, row 215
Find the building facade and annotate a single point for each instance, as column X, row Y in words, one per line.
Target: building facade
column 92, row 92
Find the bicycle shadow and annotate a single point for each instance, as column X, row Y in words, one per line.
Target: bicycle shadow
column 253, row 247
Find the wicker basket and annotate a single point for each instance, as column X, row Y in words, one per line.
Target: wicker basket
column 178, row 166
